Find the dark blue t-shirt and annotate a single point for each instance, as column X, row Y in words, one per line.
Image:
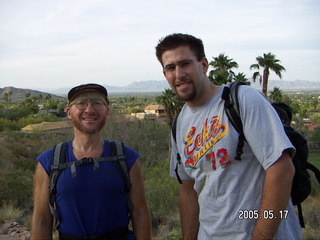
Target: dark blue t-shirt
column 94, row 202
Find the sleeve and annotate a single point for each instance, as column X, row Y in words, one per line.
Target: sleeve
column 45, row 159
column 262, row 127
column 131, row 156
column 174, row 162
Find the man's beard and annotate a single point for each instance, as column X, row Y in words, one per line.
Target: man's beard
column 83, row 129
column 187, row 97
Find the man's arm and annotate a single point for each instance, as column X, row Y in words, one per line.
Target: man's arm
column 42, row 219
column 189, row 210
column 275, row 197
column 140, row 215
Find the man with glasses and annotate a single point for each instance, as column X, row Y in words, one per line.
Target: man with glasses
column 220, row 197
column 91, row 204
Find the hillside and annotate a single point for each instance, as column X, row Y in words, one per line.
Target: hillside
column 297, row 85
column 157, row 86
column 161, row 85
column 19, row 93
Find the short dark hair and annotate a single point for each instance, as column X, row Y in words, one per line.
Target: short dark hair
column 175, row 40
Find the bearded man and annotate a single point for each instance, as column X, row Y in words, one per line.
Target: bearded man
column 90, row 204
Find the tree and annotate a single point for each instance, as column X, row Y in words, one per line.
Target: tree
column 6, row 97
column 316, row 135
column 276, row 95
column 171, row 103
column 241, row 77
column 267, row 62
column 222, row 66
column 48, row 97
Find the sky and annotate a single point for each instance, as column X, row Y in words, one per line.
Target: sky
column 62, row 43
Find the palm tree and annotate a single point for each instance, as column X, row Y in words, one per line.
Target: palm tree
column 222, row 65
column 268, row 62
column 276, row 95
column 241, row 77
column 171, row 103
column 6, row 97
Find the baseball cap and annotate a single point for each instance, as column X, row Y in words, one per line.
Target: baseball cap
column 90, row 87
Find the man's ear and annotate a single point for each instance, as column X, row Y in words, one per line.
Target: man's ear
column 205, row 65
column 68, row 112
column 108, row 110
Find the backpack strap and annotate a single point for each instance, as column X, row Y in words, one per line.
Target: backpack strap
column 59, row 164
column 231, row 105
column 58, row 158
column 174, row 135
column 174, row 128
column 301, row 221
column 314, row 169
column 117, row 151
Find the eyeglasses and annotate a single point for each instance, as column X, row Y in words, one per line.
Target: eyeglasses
column 170, row 68
column 96, row 104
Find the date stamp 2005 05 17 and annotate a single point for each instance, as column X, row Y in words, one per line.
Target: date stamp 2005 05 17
column 266, row 214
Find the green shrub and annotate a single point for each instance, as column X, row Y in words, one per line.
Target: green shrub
column 161, row 189
column 9, row 211
column 6, row 124
column 311, row 215
column 16, row 184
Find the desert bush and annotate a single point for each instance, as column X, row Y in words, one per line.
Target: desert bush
column 31, row 119
column 18, row 112
column 149, row 138
column 17, row 124
column 311, row 215
column 6, row 124
column 16, row 184
column 9, row 211
column 161, row 189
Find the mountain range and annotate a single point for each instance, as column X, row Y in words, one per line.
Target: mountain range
column 159, row 86
column 156, row 86
column 20, row 93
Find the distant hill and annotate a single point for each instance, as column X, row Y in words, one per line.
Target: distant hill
column 140, row 86
column 297, row 85
column 19, row 93
column 159, row 86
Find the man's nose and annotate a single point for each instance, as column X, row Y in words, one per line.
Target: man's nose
column 179, row 72
column 89, row 107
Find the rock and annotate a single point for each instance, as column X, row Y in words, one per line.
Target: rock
column 15, row 231
column 25, row 235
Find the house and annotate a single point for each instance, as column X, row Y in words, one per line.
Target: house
column 158, row 110
column 151, row 112
column 312, row 127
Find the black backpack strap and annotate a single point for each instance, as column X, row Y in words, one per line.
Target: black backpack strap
column 231, row 105
column 314, row 169
column 117, row 150
column 84, row 161
column 300, row 215
column 174, row 128
column 58, row 158
column 174, row 135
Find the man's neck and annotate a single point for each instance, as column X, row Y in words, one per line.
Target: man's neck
column 87, row 145
column 208, row 92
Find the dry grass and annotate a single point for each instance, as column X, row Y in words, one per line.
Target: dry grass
column 311, row 215
column 9, row 211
